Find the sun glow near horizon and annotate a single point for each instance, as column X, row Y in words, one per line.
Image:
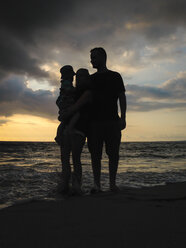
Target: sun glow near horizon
column 28, row 128
column 145, row 126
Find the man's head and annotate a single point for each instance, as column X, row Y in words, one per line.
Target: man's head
column 98, row 57
column 67, row 72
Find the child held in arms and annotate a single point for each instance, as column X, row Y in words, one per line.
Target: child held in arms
column 66, row 99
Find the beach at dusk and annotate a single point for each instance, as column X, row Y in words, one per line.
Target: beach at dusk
column 93, row 124
column 147, row 217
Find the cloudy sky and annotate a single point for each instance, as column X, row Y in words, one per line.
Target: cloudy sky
column 145, row 41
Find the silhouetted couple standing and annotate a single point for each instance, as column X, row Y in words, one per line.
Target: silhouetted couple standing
column 97, row 106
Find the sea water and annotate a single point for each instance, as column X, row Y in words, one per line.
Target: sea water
column 31, row 170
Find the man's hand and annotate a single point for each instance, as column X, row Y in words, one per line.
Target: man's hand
column 123, row 123
column 123, row 106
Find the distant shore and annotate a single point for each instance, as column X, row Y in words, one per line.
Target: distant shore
column 146, row 217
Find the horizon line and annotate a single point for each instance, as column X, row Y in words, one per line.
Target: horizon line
column 36, row 141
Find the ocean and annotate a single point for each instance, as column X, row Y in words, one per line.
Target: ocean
column 31, row 170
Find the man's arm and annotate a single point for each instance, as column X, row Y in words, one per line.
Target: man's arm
column 123, row 107
column 85, row 98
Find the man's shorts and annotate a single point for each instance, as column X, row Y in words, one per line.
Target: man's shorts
column 108, row 132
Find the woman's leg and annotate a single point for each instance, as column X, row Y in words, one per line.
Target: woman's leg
column 77, row 141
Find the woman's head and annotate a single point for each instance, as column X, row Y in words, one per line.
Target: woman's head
column 82, row 78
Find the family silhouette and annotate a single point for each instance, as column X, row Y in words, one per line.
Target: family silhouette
column 90, row 110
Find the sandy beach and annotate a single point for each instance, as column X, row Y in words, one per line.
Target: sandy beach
column 143, row 218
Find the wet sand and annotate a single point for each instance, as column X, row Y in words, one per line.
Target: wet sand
column 143, row 218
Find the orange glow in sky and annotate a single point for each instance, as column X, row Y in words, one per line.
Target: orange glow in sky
column 153, row 126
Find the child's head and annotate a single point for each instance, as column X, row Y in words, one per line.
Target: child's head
column 81, row 78
column 67, row 72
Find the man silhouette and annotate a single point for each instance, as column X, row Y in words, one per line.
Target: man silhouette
column 106, row 88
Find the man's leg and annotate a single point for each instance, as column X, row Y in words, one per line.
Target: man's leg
column 95, row 145
column 112, row 143
column 96, row 168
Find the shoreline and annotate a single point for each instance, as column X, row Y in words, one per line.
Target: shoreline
column 145, row 217
column 127, row 190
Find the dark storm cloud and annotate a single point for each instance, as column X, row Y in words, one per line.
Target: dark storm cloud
column 146, row 106
column 15, row 58
column 21, row 24
column 171, row 95
column 29, row 29
column 148, row 92
column 23, row 18
column 17, row 98
column 32, row 30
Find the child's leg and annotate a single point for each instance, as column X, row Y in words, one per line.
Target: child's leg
column 58, row 137
column 78, row 142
